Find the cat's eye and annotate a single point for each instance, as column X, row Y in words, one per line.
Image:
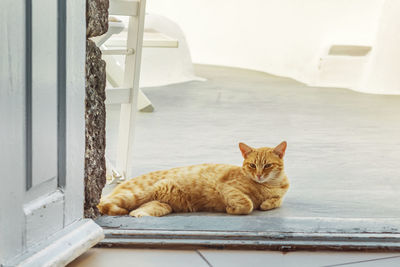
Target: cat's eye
column 252, row 165
column 266, row 166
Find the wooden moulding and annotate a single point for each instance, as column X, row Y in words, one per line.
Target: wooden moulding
column 63, row 247
column 250, row 240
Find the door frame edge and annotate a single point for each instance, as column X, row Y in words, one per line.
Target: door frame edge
column 62, row 247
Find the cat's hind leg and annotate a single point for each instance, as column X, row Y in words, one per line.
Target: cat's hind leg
column 152, row 208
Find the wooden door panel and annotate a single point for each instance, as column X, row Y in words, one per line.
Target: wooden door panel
column 44, row 91
column 43, row 138
column 44, row 201
column 44, row 216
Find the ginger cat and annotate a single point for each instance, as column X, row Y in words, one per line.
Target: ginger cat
column 259, row 184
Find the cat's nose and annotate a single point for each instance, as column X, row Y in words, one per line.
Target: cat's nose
column 259, row 176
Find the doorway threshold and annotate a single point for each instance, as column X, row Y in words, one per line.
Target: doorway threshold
column 255, row 232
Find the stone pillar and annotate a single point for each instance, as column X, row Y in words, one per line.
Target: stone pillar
column 95, row 113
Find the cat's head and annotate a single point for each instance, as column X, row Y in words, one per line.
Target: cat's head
column 265, row 164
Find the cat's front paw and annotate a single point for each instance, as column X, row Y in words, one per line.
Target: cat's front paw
column 239, row 210
column 267, row 206
column 271, row 204
column 138, row 213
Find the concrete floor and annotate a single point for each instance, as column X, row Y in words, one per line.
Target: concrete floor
column 105, row 257
column 343, row 147
column 342, row 160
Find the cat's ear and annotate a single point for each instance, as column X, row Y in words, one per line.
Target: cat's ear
column 280, row 149
column 245, row 149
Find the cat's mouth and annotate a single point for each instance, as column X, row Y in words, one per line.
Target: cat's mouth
column 260, row 180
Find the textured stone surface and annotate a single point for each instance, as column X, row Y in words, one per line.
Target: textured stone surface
column 96, row 17
column 95, row 116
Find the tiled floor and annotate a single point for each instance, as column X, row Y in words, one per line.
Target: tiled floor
column 110, row 257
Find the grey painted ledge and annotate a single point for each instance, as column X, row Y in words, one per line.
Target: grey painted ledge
column 195, row 231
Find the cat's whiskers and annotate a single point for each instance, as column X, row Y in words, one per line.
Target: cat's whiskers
column 275, row 177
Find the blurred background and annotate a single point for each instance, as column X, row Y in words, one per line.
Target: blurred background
column 322, row 75
column 296, row 39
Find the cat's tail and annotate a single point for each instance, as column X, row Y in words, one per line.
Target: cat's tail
column 107, row 207
column 123, row 200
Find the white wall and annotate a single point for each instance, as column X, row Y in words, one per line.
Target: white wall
column 383, row 73
column 282, row 37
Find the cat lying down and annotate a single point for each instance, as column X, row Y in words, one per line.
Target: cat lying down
column 260, row 183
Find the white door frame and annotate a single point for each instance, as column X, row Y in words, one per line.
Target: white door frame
column 41, row 218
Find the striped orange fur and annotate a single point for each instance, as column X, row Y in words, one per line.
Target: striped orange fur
column 260, row 183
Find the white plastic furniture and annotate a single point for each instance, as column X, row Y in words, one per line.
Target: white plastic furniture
column 127, row 94
column 127, row 41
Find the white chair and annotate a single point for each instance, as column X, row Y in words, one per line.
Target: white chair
column 127, row 41
column 115, row 40
column 127, row 94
